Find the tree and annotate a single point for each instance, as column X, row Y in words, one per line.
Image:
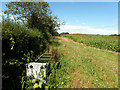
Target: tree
column 23, row 42
column 63, row 33
column 34, row 15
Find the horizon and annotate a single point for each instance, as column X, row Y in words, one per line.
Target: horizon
column 87, row 34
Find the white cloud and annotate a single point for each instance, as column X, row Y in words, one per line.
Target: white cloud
column 67, row 23
column 106, row 26
column 0, row 14
column 86, row 30
column 83, row 23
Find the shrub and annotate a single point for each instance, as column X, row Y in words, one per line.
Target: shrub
column 63, row 33
column 18, row 40
column 20, row 45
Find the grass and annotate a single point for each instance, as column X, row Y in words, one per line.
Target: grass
column 98, row 41
column 85, row 67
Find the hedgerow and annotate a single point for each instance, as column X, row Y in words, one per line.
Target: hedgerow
column 17, row 40
column 19, row 45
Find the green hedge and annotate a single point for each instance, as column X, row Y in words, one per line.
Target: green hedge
column 17, row 40
column 19, row 46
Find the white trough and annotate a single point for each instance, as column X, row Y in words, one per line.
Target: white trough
column 35, row 69
column 40, row 65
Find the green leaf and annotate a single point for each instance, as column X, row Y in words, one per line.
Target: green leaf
column 34, row 80
column 46, row 87
column 11, row 48
column 40, row 84
column 35, row 85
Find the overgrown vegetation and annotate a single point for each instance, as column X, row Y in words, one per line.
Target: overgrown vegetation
column 58, row 74
column 24, row 38
column 18, row 40
column 31, row 32
column 33, row 83
column 54, row 74
column 99, row 41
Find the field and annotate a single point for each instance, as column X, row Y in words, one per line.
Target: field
column 98, row 41
column 84, row 66
column 76, row 61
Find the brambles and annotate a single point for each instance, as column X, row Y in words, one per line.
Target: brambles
column 99, row 41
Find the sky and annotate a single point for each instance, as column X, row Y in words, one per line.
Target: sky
column 85, row 17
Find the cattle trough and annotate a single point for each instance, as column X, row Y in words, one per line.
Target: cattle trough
column 41, row 64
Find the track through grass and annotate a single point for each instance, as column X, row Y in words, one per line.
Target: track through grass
column 88, row 67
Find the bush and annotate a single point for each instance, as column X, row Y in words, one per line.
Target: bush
column 20, row 45
column 63, row 33
column 18, row 40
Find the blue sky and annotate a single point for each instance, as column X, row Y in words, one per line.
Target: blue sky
column 86, row 17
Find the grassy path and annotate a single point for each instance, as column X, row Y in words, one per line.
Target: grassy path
column 88, row 67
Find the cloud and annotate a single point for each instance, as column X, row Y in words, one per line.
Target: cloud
column 0, row 14
column 86, row 30
column 83, row 23
column 67, row 23
column 107, row 26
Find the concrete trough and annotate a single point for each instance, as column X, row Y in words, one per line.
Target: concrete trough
column 41, row 65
